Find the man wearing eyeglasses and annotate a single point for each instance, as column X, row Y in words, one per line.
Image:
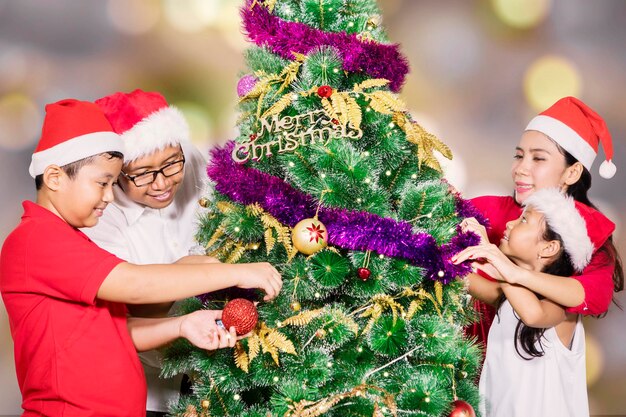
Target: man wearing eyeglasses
column 154, row 216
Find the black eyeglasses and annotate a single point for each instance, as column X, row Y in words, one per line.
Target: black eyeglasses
column 149, row 177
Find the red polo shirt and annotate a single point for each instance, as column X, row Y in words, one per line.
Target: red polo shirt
column 73, row 353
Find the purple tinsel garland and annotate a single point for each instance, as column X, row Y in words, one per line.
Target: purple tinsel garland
column 353, row 230
column 283, row 38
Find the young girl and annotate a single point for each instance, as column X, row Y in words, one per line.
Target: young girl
column 535, row 360
column 557, row 150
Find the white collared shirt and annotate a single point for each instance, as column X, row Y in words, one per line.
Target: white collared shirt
column 143, row 235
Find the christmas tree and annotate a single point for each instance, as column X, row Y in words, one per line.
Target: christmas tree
column 332, row 181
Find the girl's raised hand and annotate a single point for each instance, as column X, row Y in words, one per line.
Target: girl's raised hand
column 489, row 259
column 470, row 224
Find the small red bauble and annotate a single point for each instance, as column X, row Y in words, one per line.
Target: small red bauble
column 253, row 136
column 325, row 91
column 241, row 314
column 335, row 121
column 364, row 273
column 462, row 409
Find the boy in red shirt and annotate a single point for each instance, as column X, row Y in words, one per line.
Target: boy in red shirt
column 75, row 350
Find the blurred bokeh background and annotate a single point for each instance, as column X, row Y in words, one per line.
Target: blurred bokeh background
column 480, row 69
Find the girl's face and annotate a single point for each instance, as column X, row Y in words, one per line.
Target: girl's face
column 537, row 164
column 523, row 239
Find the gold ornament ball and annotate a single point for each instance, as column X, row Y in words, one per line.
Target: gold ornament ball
column 205, row 404
column 204, row 202
column 295, row 306
column 309, row 236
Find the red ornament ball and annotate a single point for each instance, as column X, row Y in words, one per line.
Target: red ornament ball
column 462, row 409
column 241, row 314
column 364, row 273
column 325, row 91
column 253, row 137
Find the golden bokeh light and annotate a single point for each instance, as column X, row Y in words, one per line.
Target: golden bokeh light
column 521, row 14
column 192, row 15
column 548, row 79
column 199, row 123
column 20, row 121
column 594, row 358
column 133, row 17
column 229, row 26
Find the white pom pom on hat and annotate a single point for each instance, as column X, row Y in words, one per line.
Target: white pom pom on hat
column 579, row 130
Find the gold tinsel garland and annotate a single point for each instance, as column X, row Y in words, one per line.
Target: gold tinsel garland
column 343, row 107
column 265, row 339
column 306, row 408
column 231, row 250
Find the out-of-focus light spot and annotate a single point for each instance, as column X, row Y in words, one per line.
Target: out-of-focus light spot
column 192, row 15
column 199, row 123
column 609, row 210
column 13, row 68
column 20, row 121
column 133, row 16
column 594, row 359
column 522, row 14
column 548, row 79
column 450, row 32
column 229, row 25
column 454, row 171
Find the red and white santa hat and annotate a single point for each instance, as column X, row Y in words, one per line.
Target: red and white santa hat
column 72, row 130
column 582, row 228
column 145, row 121
column 579, row 130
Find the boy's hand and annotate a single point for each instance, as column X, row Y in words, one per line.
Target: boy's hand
column 260, row 275
column 201, row 329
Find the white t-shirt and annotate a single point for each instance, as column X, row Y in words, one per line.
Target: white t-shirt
column 142, row 235
column 553, row 385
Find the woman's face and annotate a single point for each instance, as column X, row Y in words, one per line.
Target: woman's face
column 538, row 163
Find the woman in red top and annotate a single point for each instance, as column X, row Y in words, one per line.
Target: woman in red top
column 557, row 149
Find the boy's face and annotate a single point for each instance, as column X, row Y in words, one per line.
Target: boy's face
column 523, row 237
column 81, row 201
column 160, row 192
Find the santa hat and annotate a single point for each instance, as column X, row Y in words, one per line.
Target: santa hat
column 579, row 130
column 72, row 130
column 145, row 121
column 582, row 228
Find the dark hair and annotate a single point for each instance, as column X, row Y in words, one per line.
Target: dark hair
column 529, row 338
column 72, row 168
column 578, row 191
